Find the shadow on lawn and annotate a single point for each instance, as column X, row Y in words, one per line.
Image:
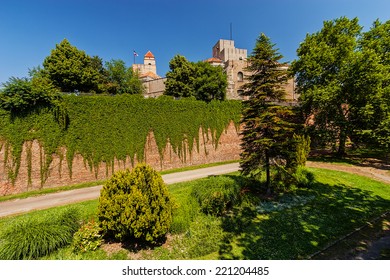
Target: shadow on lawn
column 297, row 232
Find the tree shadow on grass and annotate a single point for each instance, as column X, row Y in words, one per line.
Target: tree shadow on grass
column 298, row 232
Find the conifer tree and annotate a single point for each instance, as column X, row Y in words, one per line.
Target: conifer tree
column 267, row 125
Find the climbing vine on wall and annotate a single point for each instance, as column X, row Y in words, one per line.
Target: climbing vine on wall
column 104, row 128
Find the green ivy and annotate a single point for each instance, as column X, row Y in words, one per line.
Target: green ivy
column 104, row 128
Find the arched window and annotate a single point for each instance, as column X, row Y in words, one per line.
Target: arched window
column 240, row 76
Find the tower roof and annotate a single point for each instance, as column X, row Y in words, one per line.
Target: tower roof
column 213, row 60
column 149, row 54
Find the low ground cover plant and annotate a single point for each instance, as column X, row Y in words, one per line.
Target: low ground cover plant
column 88, row 238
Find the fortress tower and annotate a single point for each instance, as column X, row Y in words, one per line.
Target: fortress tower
column 148, row 70
column 233, row 61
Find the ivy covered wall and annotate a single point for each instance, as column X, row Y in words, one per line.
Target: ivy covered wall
column 106, row 129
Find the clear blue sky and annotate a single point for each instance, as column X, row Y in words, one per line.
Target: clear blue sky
column 111, row 29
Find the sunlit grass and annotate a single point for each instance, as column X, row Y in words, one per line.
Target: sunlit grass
column 332, row 207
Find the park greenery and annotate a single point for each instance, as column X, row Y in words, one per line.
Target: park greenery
column 268, row 126
column 293, row 225
column 135, row 205
column 275, row 208
column 342, row 75
column 200, row 80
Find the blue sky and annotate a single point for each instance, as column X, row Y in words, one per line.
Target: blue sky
column 30, row 29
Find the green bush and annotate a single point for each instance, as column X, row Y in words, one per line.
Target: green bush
column 216, row 195
column 36, row 237
column 135, row 205
column 302, row 149
column 87, row 238
column 304, row 178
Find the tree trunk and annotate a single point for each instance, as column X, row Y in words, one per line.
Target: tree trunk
column 268, row 176
column 342, row 142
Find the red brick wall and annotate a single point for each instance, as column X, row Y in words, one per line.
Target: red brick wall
column 228, row 148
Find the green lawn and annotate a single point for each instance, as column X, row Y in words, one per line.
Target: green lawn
column 294, row 227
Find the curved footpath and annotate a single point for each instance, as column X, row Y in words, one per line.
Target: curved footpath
column 18, row 206
column 380, row 173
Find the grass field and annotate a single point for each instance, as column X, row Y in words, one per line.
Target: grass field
column 290, row 226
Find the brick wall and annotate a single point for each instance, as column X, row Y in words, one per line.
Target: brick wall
column 228, row 148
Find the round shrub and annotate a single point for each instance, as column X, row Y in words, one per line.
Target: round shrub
column 216, row 195
column 135, row 205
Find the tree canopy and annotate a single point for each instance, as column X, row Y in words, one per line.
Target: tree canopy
column 71, row 69
column 121, row 79
column 342, row 77
column 23, row 94
column 199, row 80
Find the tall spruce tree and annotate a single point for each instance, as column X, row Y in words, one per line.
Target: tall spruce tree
column 267, row 125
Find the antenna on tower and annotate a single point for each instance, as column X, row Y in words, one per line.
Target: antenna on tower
column 231, row 31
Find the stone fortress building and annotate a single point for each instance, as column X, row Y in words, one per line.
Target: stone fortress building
column 233, row 60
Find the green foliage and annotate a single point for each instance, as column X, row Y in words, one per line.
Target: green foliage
column 342, row 77
column 217, row 195
column 36, row 237
column 71, row 69
column 121, row 79
column 179, row 78
column 21, row 95
column 199, row 80
column 303, row 177
column 105, row 128
column 87, row 238
column 210, row 82
column 184, row 213
column 135, row 205
column 267, row 126
column 302, row 149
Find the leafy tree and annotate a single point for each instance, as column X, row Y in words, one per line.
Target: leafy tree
column 180, row 78
column 323, row 76
column 267, row 126
column 71, row 69
column 210, row 82
column 135, row 205
column 23, row 94
column 376, row 43
column 121, row 79
column 343, row 77
column 200, row 80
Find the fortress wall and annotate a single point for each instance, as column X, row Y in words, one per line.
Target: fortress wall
column 30, row 172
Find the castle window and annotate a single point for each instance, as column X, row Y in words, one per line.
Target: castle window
column 240, row 76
